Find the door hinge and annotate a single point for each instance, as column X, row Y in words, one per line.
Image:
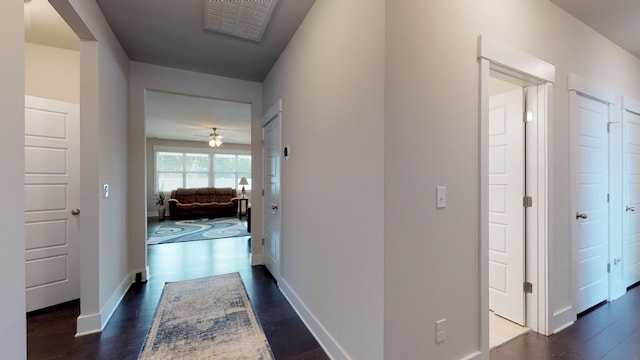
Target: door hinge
column 527, row 201
column 528, row 287
column 527, row 116
column 262, row 241
column 608, row 197
column 262, row 192
column 609, row 267
column 609, row 127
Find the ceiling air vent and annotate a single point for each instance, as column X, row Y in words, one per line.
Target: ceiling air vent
column 246, row 19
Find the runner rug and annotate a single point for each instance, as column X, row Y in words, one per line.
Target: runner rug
column 171, row 231
column 207, row 318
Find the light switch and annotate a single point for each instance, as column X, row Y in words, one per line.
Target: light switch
column 105, row 190
column 441, row 197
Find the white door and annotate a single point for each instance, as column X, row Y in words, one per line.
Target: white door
column 52, row 161
column 589, row 210
column 631, row 186
column 506, row 211
column 271, row 201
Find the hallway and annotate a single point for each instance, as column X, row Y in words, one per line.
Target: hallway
column 50, row 333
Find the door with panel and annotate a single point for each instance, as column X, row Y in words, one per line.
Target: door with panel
column 52, row 161
column 271, row 186
column 631, row 188
column 589, row 207
column 506, row 211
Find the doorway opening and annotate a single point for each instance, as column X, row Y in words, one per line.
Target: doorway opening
column 519, row 71
column 198, row 170
column 507, row 215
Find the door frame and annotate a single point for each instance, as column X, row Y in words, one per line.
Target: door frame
column 495, row 56
column 583, row 87
column 632, row 106
column 274, row 111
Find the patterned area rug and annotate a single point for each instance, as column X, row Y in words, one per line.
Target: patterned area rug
column 207, row 318
column 172, row 231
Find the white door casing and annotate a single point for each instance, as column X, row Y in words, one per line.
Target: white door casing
column 52, row 161
column 271, row 185
column 506, row 211
column 631, row 196
column 589, row 207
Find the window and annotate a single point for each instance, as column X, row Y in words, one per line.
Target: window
column 230, row 168
column 180, row 168
column 176, row 169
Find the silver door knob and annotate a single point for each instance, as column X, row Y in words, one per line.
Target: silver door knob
column 581, row 215
column 630, row 208
column 75, row 211
column 274, row 206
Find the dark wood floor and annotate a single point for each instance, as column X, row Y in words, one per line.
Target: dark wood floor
column 608, row 332
column 50, row 333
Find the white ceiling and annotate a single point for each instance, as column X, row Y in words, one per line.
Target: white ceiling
column 617, row 20
column 180, row 117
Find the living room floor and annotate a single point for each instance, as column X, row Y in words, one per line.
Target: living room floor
column 50, row 332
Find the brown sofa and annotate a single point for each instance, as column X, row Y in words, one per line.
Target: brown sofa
column 207, row 202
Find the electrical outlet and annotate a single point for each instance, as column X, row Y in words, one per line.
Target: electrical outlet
column 441, row 197
column 105, row 190
column 441, row 333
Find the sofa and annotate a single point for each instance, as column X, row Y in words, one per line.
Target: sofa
column 206, row 202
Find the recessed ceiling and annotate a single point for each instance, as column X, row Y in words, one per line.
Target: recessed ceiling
column 617, row 20
column 170, row 33
column 182, row 117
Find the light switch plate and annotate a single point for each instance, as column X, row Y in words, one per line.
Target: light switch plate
column 105, row 190
column 441, row 197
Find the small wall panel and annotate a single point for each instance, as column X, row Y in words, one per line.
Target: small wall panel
column 45, row 234
column 46, row 271
column 45, row 197
column 45, row 161
column 46, row 124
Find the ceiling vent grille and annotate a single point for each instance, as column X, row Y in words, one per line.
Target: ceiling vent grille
column 246, row 19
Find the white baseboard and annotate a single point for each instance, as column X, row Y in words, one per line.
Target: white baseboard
column 328, row 343
column 95, row 323
column 477, row 355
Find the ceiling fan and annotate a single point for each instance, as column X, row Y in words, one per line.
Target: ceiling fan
column 215, row 139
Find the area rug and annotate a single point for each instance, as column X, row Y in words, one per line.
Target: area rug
column 206, row 318
column 172, row 231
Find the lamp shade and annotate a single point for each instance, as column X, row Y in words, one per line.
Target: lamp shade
column 244, row 181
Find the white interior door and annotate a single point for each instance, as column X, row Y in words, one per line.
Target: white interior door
column 631, row 186
column 589, row 187
column 52, row 161
column 506, row 211
column 271, row 211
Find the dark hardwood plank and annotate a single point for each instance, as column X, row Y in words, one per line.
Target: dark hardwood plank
column 50, row 332
column 608, row 332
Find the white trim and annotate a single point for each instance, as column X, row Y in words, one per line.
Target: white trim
column 591, row 89
column 630, row 105
column 322, row 335
column 200, row 150
column 95, row 323
column 513, row 59
column 273, row 111
column 534, row 72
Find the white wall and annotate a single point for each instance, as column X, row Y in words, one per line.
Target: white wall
column 331, row 81
column 104, row 251
column 12, row 302
column 145, row 76
column 431, row 138
column 52, row 73
column 151, row 169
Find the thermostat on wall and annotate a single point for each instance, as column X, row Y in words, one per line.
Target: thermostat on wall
column 286, row 152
